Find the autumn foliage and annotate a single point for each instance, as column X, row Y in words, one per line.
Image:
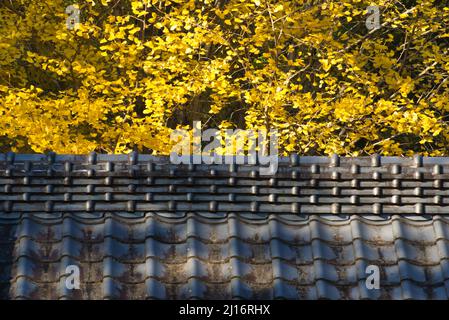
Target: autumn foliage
column 135, row 70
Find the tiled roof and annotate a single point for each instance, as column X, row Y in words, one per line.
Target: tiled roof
column 143, row 183
column 233, row 256
column 140, row 227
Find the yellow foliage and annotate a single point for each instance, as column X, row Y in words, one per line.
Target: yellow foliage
column 133, row 71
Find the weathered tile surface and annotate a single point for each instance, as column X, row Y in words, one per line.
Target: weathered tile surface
column 141, row 228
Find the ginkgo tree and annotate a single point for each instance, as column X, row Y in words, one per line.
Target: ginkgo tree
column 132, row 71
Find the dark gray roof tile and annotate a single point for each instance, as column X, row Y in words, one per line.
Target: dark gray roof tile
column 139, row 227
